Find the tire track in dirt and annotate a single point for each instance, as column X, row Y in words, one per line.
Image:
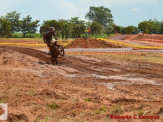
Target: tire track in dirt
column 31, row 52
column 90, row 66
column 73, row 62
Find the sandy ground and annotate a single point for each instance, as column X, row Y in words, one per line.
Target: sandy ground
column 79, row 89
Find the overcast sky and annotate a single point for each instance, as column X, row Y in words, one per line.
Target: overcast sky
column 125, row 12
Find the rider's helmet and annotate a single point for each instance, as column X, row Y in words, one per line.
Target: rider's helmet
column 52, row 29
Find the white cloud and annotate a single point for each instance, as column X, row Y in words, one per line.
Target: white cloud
column 81, row 7
column 71, row 10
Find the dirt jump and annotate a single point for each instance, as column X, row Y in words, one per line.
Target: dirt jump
column 79, row 88
column 89, row 43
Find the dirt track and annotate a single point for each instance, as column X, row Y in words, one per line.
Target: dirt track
column 146, row 40
column 84, row 87
column 124, row 37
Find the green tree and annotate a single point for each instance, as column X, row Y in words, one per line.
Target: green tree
column 100, row 14
column 33, row 27
column 44, row 29
column 161, row 29
column 28, row 26
column 75, row 20
column 131, row 30
column 50, row 23
column 150, row 27
column 110, row 29
column 5, row 28
column 88, row 24
column 13, row 17
column 78, row 27
column 65, row 28
column 155, row 26
column 77, row 30
column 96, row 28
column 145, row 27
column 117, row 29
column 122, row 30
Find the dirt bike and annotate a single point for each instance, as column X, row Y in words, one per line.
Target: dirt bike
column 57, row 50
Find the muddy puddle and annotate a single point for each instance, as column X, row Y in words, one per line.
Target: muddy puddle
column 127, row 79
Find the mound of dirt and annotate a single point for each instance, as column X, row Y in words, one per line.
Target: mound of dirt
column 89, row 43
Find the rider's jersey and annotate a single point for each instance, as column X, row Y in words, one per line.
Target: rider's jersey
column 48, row 36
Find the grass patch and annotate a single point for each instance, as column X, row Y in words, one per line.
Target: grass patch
column 88, row 100
column 1, row 101
column 20, row 121
column 143, row 57
column 76, row 100
column 140, row 112
column 20, row 35
column 37, row 120
column 31, row 92
column 100, row 110
column 53, row 105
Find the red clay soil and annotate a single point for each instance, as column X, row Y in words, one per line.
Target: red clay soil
column 152, row 38
column 78, row 89
column 141, row 39
column 89, row 43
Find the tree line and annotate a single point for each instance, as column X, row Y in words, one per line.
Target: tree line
column 100, row 21
column 11, row 23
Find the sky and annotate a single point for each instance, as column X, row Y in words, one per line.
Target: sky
column 125, row 12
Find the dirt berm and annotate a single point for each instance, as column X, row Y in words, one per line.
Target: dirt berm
column 89, row 43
